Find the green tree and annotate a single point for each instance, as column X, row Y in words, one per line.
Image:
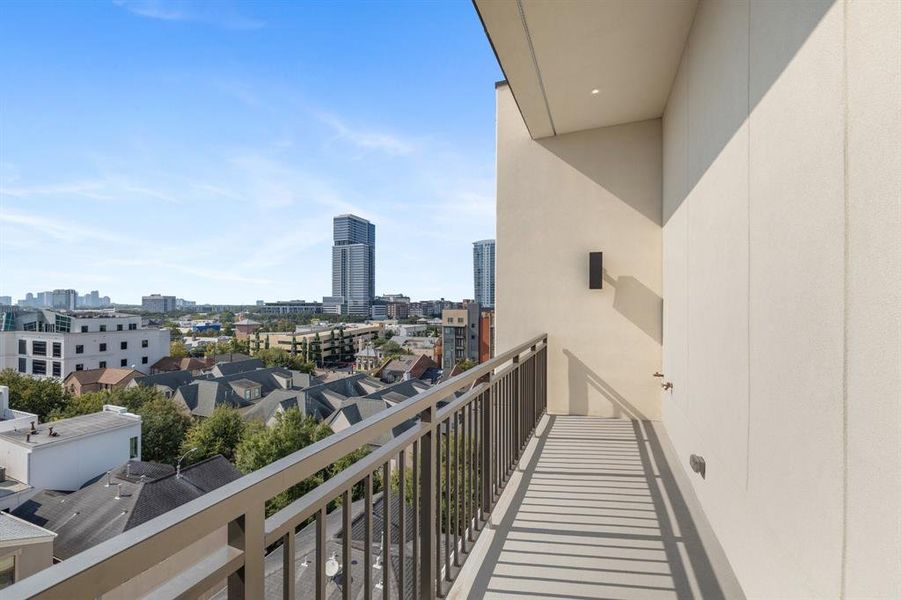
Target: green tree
column 39, row 396
column 174, row 333
column 466, row 364
column 392, row 350
column 276, row 357
column 316, row 350
column 220, row 433
column 264, row 445
column 177, row 349
column 163, row 429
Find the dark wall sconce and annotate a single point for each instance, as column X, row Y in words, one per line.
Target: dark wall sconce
column 595, row 270
column 698, row 465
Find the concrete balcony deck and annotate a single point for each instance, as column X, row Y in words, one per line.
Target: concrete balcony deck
column 594, row 510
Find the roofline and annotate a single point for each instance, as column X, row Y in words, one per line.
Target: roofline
column 135, row 418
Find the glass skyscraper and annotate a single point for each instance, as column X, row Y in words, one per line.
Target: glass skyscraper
column 353, row 263
column 483, row 272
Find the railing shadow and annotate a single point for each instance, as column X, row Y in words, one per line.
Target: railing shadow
column 593, row 530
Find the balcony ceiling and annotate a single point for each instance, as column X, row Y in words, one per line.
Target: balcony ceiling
column 555, row 52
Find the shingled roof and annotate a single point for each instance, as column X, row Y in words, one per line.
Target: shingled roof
column 127, row 497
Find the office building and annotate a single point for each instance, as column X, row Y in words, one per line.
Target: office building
column 353, row 264
column 157, row 303
column 6, row 301
column 483, row 272
column 64, row 299
column 51, row 343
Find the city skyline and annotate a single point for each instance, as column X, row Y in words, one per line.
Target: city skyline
column 256, row 128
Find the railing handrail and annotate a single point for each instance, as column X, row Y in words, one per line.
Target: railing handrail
column 111, row 563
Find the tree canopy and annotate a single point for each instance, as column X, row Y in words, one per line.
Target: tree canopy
column 163, row 429
column 39, row 396
column 220, row 433
column 276, row 357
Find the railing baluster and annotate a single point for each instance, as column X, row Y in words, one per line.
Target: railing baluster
column 465, row 475
column 247, row 533
column 367, row 538
column 455, row 477
column 346, row 499
column 386, row 528
column 447, row 498
column 428, row 545
column 485, row 428
column 415, row 508
column 320, row 554
column 401, row 522
column 289, row 573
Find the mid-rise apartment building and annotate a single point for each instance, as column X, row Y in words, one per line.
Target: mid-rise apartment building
column 483, row 272
column 52, row 343
column 460, row 335
column 157, row 303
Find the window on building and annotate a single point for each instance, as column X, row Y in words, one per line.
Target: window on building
column 144, row 343
column 144, row 360
column 103, row 328
column 133, row 447
column 57, row 369
column 459, row 319
column 23, row 347
column 79, row 349
column 123, row 362
column 123, row 345
column 39, row 367
column 132, row 326
column 103, row 347
column 7, row 571
column 57, row 349
column 23, row 365
column 79, row 367
column 120, row 327
column 39, row 348
column 84, row 328
column 102, row 364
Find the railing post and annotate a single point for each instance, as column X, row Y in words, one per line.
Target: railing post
column 515, row 415
column 486, row 448
column 247, row 533
column 428, row 545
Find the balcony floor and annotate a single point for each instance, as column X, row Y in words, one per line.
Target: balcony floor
column 595, row 511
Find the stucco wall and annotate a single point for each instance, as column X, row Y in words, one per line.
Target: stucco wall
column 782, row 286
column 557, row 200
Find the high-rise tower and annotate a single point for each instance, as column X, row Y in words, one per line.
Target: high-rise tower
column 483, row 272
column 353, row 263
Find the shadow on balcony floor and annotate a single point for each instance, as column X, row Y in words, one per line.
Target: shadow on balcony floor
column 595, row 512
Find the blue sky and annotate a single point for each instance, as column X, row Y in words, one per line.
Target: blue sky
column 201, row 149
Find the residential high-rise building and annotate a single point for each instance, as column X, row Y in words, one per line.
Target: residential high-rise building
column 353, row 263
column 483, row 272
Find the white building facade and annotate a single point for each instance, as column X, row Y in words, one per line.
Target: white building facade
column 53, row 344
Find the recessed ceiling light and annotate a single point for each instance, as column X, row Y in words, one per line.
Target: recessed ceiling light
column 595, row 92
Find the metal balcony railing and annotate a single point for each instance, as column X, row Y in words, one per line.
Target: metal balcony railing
column 467, row 435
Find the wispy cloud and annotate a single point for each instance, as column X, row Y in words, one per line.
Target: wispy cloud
column 368, row 139
column 221, row 13
column 61, row 230
column 107, row 189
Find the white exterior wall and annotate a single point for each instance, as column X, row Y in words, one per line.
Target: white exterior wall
column 782, row 286
column 557, row 200
column 68, row 464
column 157, row 339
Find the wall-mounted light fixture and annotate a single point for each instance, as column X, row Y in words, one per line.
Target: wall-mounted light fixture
column 595, row 270
column 698, row 465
